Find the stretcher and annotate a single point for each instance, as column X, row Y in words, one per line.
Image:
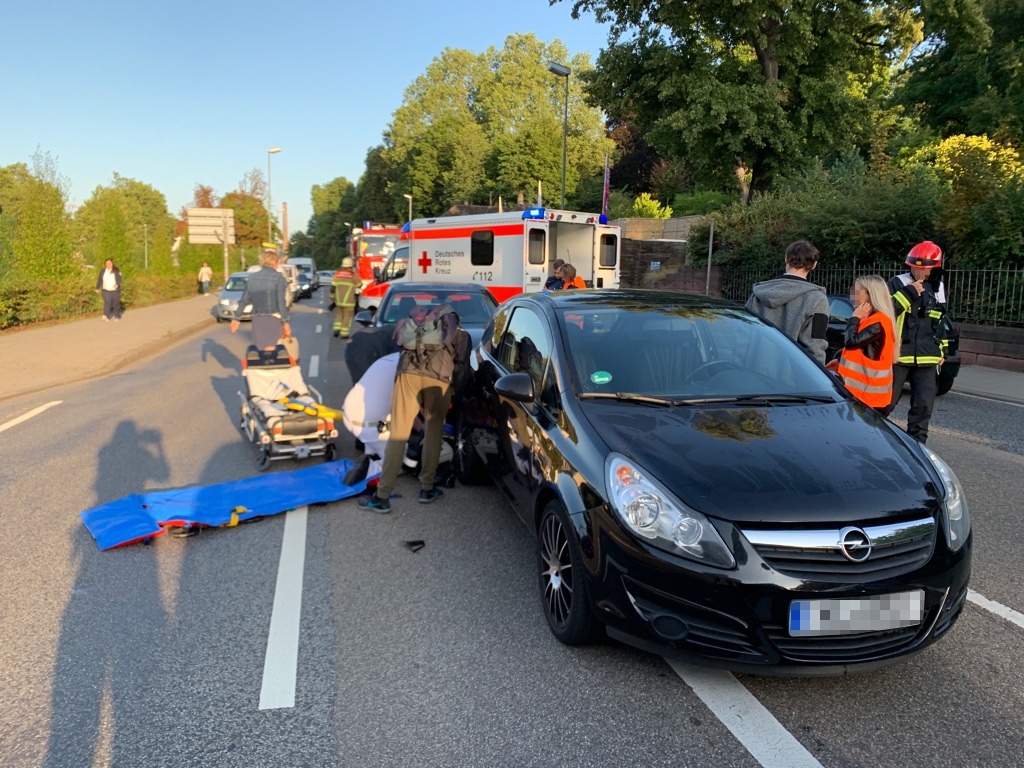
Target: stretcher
column 280, row 414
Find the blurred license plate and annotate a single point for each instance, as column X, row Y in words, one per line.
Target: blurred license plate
column 866, row 614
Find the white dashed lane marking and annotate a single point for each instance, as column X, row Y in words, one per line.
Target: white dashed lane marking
column 29, row 415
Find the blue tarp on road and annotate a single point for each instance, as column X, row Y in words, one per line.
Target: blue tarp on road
column 143, row 516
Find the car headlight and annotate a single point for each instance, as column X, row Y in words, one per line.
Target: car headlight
column 654, row 514
column 225, row 302
column 247, row 310
column 954, row 506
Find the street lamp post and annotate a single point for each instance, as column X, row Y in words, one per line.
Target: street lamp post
column 409, row 198
column 270, row 217
column 563, row 71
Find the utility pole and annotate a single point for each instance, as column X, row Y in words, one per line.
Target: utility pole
column 145, row 245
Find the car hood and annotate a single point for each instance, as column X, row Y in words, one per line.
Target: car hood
column 826, row 463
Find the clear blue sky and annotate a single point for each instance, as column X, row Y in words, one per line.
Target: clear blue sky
column 177, row 94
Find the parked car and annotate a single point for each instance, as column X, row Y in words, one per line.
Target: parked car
column 325, row 277
column 230, row 293
column 473, row 302
column 841, row 309
column 699, row 487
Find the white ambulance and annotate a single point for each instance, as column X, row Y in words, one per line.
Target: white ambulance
column 508, row 252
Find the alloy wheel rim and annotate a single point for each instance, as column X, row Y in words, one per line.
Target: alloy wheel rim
column 556, row 571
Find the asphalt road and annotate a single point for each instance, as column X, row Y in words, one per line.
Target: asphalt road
column 154, row 655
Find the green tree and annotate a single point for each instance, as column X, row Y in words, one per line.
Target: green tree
column 142, row 213
column 330, row 196
column 748, row 90
column 646, row 207
column 476, row 126
column 967, row 77
column 36, row 243
column 373, row 202
column 982, row 200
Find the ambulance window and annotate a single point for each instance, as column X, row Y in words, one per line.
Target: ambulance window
column 537, row 248
column 481, row 249
column 607, row 254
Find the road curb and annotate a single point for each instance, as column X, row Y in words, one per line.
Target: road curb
column 987, row 396
column 122, row 360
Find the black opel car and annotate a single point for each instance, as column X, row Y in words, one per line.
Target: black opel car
column 702, row 489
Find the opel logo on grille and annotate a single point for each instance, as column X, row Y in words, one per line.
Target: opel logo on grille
column 855, row 544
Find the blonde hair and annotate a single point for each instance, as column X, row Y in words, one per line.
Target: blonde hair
column 878, row 295
column 268, row 256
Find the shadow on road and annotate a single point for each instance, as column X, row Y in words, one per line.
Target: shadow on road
column 114, row 611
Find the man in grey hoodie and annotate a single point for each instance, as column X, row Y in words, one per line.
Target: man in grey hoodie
column 793, row 304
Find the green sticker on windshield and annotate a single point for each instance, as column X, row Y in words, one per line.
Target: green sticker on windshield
column 600, row 377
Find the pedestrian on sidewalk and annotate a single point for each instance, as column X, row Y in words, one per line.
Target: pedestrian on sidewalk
column 108, row 285
column 205, row 276
column 266, row 290
column 794, row 304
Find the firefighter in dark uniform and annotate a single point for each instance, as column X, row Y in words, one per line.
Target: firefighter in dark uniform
column 919, row 302
column 344, row 286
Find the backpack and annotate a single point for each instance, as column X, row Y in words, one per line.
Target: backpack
column 422, row 331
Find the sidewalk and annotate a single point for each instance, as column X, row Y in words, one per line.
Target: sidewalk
column 36, row 359
column 39, row 358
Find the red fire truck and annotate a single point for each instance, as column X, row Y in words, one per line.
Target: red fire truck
column 371, row 247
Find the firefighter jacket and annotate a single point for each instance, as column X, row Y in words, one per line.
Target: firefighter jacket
column 918, row 322
column 344, row 285
column 869, row 346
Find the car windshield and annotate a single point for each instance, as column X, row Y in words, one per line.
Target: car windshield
column 236, row 283
column 686, row 352
column 473, row 308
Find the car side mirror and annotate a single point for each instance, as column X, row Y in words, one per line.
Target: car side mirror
column 515, row 386
column 376, row 274
column 364, row 317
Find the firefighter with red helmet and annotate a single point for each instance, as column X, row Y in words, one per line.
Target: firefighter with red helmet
column 919, row 301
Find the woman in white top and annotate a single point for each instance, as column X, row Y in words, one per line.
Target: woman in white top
column 108, row 284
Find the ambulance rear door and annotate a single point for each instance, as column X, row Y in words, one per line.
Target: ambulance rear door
column 606, row 256
column 535, row 256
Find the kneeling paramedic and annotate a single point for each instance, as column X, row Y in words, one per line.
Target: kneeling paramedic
column 426, row 362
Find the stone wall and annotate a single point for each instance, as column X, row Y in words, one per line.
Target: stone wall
column 992, row 347
column 655, row 254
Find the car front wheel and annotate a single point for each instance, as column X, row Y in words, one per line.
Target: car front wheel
column 563, row 588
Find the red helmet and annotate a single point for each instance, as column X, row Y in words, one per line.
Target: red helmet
column 926, row 254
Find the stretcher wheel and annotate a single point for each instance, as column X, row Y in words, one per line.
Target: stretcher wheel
column 262, row 459
column 330, row 452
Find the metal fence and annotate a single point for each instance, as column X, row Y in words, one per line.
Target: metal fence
column 981, row 296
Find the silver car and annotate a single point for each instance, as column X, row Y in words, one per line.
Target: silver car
column 227, row 301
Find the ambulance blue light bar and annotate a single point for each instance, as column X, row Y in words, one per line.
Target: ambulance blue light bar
column 405, row 227
column 533, row 213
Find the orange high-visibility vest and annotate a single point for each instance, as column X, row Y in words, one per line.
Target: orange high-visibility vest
column 870, row 381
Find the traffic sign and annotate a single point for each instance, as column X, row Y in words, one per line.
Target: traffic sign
column 207, row 226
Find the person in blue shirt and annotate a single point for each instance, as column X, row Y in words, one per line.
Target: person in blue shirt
column 555, row 283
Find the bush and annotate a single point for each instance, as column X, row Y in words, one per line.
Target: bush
column 700, row 203
column 24, row 303
column 849, row 213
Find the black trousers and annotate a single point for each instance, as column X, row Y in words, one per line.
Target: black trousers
column 924, row 384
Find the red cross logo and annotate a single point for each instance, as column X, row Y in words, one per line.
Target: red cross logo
column 424, row 262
